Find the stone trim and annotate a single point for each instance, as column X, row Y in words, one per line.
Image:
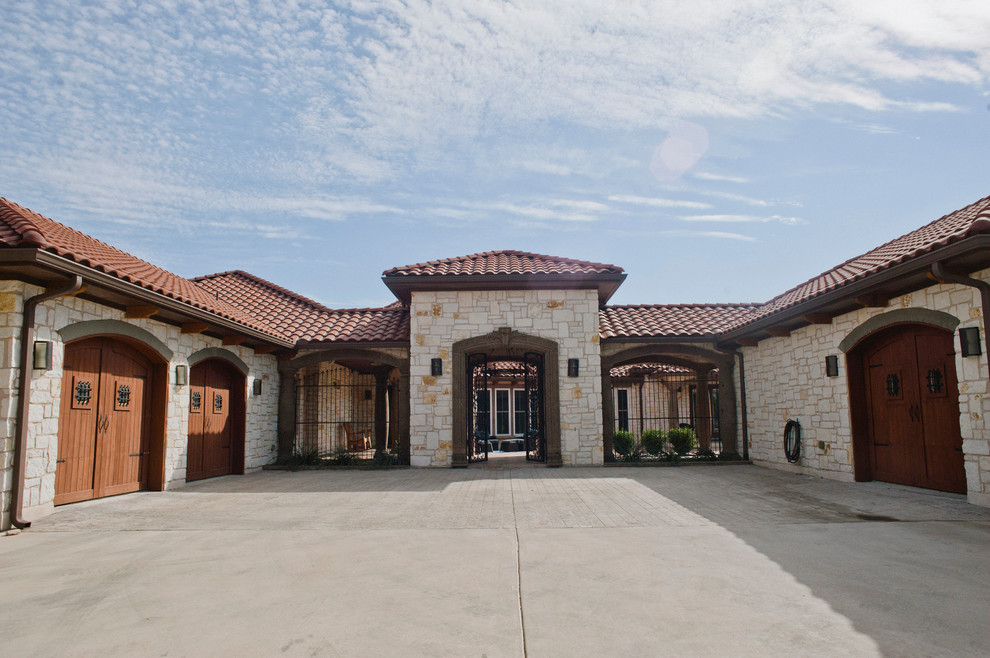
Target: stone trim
column 219, row 353
column 898, row 316
column 89, row 328
column 506, row 343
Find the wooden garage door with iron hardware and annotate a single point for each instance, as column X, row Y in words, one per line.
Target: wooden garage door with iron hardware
column 104, row 421
column 914, row 409
column 212, row 421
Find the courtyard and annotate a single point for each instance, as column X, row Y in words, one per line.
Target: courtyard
column 724, row 560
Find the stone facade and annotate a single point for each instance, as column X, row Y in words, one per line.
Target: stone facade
column 42, row 447
column 566, row 317
column 785, row 379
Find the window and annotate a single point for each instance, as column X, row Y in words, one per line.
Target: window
column 482, row 406
column 622, row 409
column 519, row 411
column 502, row 412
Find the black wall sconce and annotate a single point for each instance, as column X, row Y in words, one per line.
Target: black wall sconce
column 181, row 375
column 436, row 367
column 572, row 367
column 257, row 387
column 831, row 366
column 42, row 355
column 969, row 341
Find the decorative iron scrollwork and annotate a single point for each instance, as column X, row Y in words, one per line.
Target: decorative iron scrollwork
column 84, row 391
column 123, row 395
column 893, row 385
column 196, row 400
column 217, row 403
column 934, row 379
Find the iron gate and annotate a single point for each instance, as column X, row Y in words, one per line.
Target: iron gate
column 479, row 409
column 657, row 396
column 536, row 437
column 335, row 412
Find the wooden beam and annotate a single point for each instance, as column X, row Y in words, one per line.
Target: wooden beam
column 140, row 311
column 818, row 318
column 748, row 341
column 194, row 327
column 233, row 340
column 877, row 300
column 779, row 332
column 264, row 349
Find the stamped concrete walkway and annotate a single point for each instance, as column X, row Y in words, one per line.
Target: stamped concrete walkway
column 737, row 560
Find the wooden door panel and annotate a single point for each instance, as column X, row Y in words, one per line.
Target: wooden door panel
column 124, row 441
column 78, row 421
column 939, row 408
column 210, row 427
column 897, row 438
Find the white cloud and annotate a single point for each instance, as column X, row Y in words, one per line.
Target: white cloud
column 742, row 219
column 703, row 175
column 657, row 202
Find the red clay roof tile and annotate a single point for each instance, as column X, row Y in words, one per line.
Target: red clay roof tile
column 974, row 218
column 503, row 263
column 639, row 321
column 302, row 319
column 20, row 227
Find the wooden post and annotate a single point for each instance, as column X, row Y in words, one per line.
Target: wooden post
column 381, row 400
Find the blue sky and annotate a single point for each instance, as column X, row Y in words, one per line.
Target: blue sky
column 718, row 151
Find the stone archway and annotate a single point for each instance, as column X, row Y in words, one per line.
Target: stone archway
column 508, row 344
column 692, row 357
column 391, row 394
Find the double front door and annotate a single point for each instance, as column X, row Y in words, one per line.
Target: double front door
column 103, row 437
column 914, row 409
column 212, row 434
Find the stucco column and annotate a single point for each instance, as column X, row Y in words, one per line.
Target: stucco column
column 608, row 416
column 286, row 408
column 727, row 425
column 703, row 412
column 381, row 400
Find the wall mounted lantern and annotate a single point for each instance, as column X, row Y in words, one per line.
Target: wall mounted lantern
column 257, row 387
column 42, row 355
column 969, row 341
column 181, row 375
column 436, row 367
column 831, row 366
column 572, row 367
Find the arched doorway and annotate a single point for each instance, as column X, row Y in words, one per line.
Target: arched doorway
column 111, row 423
column 905, row 406
column 538, row 362
column 216, row 420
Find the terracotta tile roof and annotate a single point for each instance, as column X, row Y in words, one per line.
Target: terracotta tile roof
column 302, row 319
column 20, row 227
column 974, row 218
column 671, row 319
column 503, row 263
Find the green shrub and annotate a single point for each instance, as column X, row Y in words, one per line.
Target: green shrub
column 682, row 439
column 623, row 442
column 653, row 441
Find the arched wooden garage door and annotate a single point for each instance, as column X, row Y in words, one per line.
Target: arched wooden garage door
column 104, row 423
column 911, row 409
column 216, row 420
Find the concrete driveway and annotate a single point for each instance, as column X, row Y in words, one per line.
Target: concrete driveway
column 734, row 560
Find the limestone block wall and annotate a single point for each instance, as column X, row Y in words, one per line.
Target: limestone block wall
column 42, row 447
column 567, row 317
column 785, row 379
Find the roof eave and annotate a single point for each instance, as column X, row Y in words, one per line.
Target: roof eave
column 901, row 278
column 402, row 286
column 95, row 279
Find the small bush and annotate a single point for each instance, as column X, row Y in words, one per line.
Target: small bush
column 682, row 439
column 623, row 442
column 311, row 457
column 343, row 458
column 653, row 441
